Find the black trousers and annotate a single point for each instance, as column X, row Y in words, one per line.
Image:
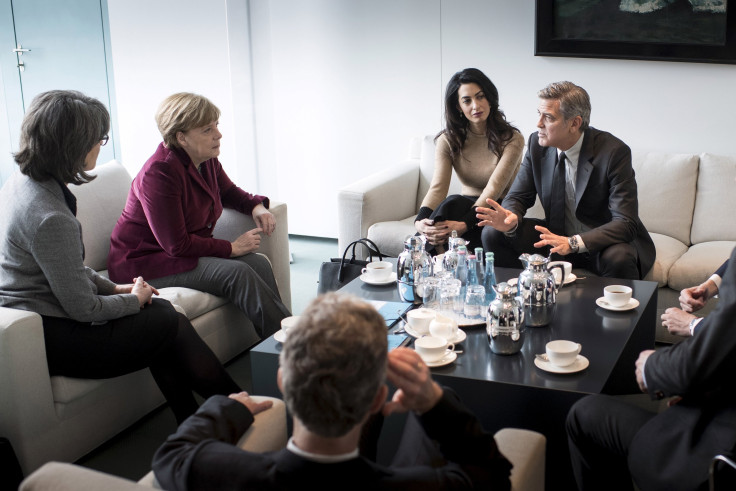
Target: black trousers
column 455, row 207
column 158, row 338
column 600, row 430
column 615, row 261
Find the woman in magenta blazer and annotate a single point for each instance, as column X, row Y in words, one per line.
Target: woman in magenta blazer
column 172, row 208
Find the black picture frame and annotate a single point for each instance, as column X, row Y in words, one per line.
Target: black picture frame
column 595, row 29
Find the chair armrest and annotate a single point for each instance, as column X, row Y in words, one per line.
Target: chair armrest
column 387, row 195
column 58, row 476
column 525, row 449
column 27, row 401
column 268, row 433
column 233, row 224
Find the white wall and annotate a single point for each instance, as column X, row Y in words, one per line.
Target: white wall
column 340, row 86
column 160, row 47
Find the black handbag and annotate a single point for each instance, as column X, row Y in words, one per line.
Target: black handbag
column 338, row 272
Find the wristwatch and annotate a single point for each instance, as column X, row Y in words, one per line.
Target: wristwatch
column 573, row 242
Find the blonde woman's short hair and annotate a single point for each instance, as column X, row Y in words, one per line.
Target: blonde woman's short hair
column 184, row 111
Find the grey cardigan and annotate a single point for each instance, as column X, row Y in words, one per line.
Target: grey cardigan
column 41, row 257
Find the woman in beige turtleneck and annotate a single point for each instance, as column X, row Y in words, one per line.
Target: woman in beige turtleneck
column 485, row 151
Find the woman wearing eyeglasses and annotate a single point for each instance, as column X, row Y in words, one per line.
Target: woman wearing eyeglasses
column 93, row 328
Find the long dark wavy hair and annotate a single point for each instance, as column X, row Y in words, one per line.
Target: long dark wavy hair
column 498, row 130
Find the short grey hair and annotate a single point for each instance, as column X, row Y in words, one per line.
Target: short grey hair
column 58, row 131
column 333, row 363
column 574, row 100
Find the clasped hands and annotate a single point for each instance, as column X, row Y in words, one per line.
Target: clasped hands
column 504, row 220
column 677, row 321
column 140, row 289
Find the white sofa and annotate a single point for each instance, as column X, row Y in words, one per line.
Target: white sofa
column 61, row 418
column 523, row 448
column 685, row 201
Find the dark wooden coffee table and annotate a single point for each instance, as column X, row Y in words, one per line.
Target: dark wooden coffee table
column 510, row 391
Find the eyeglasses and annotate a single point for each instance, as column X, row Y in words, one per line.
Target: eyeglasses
column 104, row 140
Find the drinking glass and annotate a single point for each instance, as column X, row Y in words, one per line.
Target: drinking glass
column 452, row 301
column 475, row 299
column 432, row 292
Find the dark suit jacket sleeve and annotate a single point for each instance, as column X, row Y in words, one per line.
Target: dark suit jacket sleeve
column 463, row 441
column 702, row 363
column 617, row 219
column 722, row 270
column 212, row 431
column 523, row 191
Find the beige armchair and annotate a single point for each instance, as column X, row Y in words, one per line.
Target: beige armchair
column 62, row 418
column 268, row 433
column 523, row 448
column 382, row 206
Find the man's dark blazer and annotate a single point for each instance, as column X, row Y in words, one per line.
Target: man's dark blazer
column 202, row 455
column 605, row 193
column 673, row 450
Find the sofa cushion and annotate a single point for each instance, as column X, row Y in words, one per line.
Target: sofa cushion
column 100, row 203
column 698, row 263
column 390, row 236
column 716, row 200
column 194, row 302
column 666, row 190
column 669, row 250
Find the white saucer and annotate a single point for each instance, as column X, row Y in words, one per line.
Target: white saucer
column 459, row 337
column 390, row 279
column 580, row 363
column 280, row 336
column 601, row 302
column 570, row 278
column 445, row 360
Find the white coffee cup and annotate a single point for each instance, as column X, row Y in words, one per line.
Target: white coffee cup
column 617, row 295
column 567, row 266
column 288, row 322
column 419, row 319
column 432, row 348
column 562, row 353
column 443, row 327
column 378, row 270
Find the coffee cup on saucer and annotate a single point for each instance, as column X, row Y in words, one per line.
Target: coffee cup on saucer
column 432, row 348
column 562, row 353
column 419, row 320
column 566, row 266
column 378, row 270
column 617, row 295
column 288, row 323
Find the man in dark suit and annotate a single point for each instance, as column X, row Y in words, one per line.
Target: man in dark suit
column 585, row 182
column 333, row 367
column 612, row 442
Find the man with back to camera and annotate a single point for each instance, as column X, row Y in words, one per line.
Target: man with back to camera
column 585, row 183
column 333, row 367
column 613, row 442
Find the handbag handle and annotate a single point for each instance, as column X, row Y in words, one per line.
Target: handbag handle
column 371, row 250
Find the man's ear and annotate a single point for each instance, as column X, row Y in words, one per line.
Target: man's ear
column 576, row 123
column 279, row 382
column 379, row 400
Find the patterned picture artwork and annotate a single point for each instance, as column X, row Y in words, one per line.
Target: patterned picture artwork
column 652, row 21
column 667, row 30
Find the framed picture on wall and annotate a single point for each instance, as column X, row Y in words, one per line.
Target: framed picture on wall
column 669, row 30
